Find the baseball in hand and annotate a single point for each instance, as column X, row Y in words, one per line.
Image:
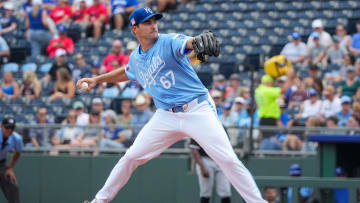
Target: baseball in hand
column 84, row 86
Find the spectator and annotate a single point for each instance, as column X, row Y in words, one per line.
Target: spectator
column 4, row 51
column 345, row 112
column 218, row 100
column 26, row 7
column 355, row 44
column 163, row 5
column 350, row 85
column 62, row 13
column 271, row 195
column 269, row 111
column 353, row 123
column 345, row 40
column 294, row 139
column 331, row 122
column 9, row 88
column 338, row 76
column 295, row 50
column 95, row 17
column 142, row 114
column 95, row 69
column 305, row 193
column 82, row 118
column 314, row 73
column 311, row 107
column 311, row 123
column 126, row 116
column 316, row 52
column 64, row 87
column 331, row 105
column 220, row 85
column 324, row 38
column 40, row 137
column 341, row 194
column 130, row 47
column 60, row 62
column 8, row 22
column 67, row 135
column 62, row 42
column 36, row 22
column 356, row 111
column 113, row 136
column 31, row 86
column 335, row 54
column 239, row 109
column 121, row 11
column 97, row 105
column 89, row 137
column 116, row 54
column 111, row 90
column 81, row 69
column 49, row 5
column 357, row 96
column 79, row 13
column 228, row 118
column 235, row 88
column 298, row 95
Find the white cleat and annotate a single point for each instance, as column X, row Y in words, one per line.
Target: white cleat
column 96, row 201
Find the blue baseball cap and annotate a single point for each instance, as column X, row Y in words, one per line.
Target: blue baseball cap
column 315, row 35
column 142, row 14
column 295, row 35
column 61, row 28
column 339, row 171
column 345, row 99
column 312, row 92
column 227, row 106
column 96, row 64
column 295, row 170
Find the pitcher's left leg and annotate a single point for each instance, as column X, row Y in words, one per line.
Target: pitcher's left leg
column 204, row 127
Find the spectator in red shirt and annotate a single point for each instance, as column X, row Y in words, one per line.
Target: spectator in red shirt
column 79, row 14
column 61, row 13
column 116, row 54
column 96, row 16
column 63, row 42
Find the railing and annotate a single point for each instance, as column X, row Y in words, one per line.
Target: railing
column 323, row 186
column 239, row 138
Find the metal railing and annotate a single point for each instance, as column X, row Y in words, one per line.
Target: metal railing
column 239, row 138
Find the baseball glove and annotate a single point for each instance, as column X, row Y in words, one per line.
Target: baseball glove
column 206, row 44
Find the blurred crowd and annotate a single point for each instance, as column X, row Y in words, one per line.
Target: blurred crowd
column 322, row 88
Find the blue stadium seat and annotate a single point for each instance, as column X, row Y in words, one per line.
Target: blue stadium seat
column 29, row 67
column 45, row 68
column 11, row 67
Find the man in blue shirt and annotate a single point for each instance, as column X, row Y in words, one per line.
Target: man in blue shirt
column 346, row 112
column 9, row 140
column 184, row 107
column 355, row 44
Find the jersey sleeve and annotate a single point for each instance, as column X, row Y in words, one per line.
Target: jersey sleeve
column 130, row 73
column 178, row 45
column 19, row 144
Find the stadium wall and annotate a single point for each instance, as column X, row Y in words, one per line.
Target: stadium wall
column 167, row 179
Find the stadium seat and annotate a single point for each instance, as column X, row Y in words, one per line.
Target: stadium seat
column 11, row 67
column 45, row 68
column 29, row 67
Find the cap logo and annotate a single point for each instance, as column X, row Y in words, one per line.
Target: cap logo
column 148, row 10
column 133, row 21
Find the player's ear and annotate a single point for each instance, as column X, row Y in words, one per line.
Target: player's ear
column 133, row 28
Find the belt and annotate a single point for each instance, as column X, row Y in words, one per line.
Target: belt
column 187, row 106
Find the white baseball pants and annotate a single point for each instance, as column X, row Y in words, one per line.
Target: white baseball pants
column 165, row 128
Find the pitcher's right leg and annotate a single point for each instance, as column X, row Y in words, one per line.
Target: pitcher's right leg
column 156, row 136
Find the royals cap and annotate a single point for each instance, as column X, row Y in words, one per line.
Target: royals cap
column 142, row 14
column 315, row 35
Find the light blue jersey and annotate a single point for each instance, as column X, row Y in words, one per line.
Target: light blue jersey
column 165, row 72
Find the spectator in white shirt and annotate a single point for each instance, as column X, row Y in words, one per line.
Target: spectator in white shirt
column 295, row 50
column 325, row 38
column 335, row 54
column 332, row 104
column 311, row 106
column 82, row 117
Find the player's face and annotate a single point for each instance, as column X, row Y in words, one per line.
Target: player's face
column 147, row 29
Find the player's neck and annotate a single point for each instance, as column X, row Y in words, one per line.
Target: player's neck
column 146, row 44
